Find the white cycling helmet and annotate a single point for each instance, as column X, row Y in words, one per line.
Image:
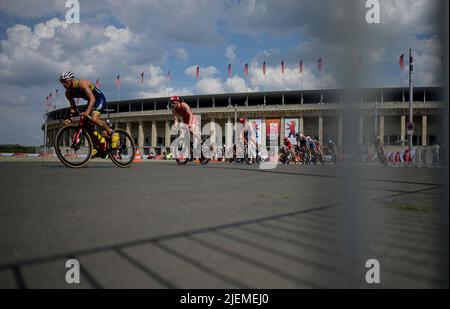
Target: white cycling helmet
column 66, row 75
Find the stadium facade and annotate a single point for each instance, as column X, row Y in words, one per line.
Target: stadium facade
column 317, row 113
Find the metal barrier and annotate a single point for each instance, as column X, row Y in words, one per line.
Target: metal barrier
column 420, row 156
column 426, row 156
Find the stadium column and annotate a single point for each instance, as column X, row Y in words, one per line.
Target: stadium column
column 402, row 129
column 167, row 135
column 340, row 128
column 129, row 132
column 302, row 125
column 212, row 132
column 154, row 136
column 141, row 136
column 321, row 130
column 424, row 130
column 382, row 128
column 228, row 133
column 361, row 130
column 263, row 132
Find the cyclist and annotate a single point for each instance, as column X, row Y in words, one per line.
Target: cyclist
column 183, row 110
column 247, row 131
column 312, row 148
column 85, row 89
column 248, row 135
column 289, row 148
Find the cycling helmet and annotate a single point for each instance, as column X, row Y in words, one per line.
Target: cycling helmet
column 66, row 75
column 174, row 100
column 242, row 120
column 286, row 139
column 297, row 134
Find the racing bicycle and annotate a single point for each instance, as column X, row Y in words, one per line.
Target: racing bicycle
column 76, row 145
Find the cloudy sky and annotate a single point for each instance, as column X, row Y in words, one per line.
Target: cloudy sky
column 153, row 36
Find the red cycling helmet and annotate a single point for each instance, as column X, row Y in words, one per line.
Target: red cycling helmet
column 286, row 139
column 242, row 120
column 174, row 100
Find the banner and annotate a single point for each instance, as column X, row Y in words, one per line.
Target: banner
column 291, row 126
column 257, row 125
column 272, row 132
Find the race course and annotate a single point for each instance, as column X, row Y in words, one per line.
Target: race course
column 160, row 225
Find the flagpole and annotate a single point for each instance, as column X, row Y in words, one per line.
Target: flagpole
column 410, row 135
column 302, row 81
column 45, row 133
column 264, row 82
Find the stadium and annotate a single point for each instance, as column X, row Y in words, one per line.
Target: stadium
column 318, row 113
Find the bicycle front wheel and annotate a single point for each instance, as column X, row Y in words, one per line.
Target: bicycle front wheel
column 71, row 152
column 123, row 154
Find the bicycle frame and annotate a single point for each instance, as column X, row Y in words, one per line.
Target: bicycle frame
column 86, row 125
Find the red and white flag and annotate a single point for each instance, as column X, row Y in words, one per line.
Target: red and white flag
column 300, row 67
column 142, row 78
column 246, row 70
column 264, row 68
column 282, row 67
column 229, row 70
column 118, row 81
column 197, row 72
column 402, row 61
column 319, row 64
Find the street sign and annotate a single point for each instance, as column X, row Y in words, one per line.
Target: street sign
column 410, row 128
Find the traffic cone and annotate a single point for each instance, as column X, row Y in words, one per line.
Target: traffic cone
column 137, row 156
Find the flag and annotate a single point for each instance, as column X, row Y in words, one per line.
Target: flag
column 319, row 64
column 282, row 67
column 229, row 70
column 402, row 61
column 118, row 81
column 56, row 92
column 246, row 70
column 50, row 96
column 300, row 65
column 264, row 68
column 97, row 83
column 169, row 76
column 197, row 73
column 142, row 77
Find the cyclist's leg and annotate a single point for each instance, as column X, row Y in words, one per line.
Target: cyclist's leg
column 99, row 106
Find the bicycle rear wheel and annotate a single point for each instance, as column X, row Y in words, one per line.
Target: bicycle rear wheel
column 123, row 154
column 71, row 153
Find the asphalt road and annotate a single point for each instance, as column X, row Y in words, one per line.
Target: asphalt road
column 160, row 225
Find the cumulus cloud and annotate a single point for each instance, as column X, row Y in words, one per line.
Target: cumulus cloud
column 230, row 53
column 210, row 85
column 204, row 72
column 180, row 54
